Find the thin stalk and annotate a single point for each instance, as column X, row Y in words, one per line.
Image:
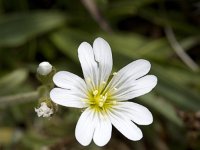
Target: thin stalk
column 19, row 98
column 92, row 8
column 179, row 50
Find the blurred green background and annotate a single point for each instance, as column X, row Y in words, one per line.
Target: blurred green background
column 165, row 32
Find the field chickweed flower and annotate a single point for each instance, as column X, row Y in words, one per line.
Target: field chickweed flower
column 104, row 99
column 44, row 110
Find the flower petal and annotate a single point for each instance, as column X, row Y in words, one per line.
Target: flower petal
column 125, row 126
column 85, row 127
column 70, row 81
column 67, row 98
column 135, row 88
column 103, row 57
column 96, row 62
column 102, row 133
column 129, row 73
column 135, row 112
column 88, row 64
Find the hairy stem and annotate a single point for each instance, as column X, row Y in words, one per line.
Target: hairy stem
column 179, row 50
column 92, row 8
column 19, row 98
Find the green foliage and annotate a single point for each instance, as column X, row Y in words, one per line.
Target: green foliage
column 12, row 81
column 34, row 31
column 19, row 28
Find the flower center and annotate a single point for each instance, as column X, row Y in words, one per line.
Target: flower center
column 99, row 99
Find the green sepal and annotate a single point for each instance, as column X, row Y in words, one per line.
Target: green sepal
column 47, row 79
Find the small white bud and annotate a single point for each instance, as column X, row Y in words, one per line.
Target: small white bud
column 44, row 110
column 44, row 68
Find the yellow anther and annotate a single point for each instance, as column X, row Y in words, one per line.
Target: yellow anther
column 104, row 98
column 95, row 92
column 103, row 82
column 106, row 95
column 114, row 73
column 101, row 104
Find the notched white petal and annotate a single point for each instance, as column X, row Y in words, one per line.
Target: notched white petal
column 125, row 126
column 66, row 98
column 88, row 64
column 145, row 85
column 135, row 112
column 96, row 62
column 136, row 88
column 103, row 56
column 135, row 69
column 102, row 133
column 67, row 80
column 85, row 127
column 130, row 73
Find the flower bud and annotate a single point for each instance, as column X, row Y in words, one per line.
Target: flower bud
column 44, row 110
column 44, row 68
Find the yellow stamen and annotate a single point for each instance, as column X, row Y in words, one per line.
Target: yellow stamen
column 95, row 92
column 114, row 73
column 101, row 104
column 103, row 82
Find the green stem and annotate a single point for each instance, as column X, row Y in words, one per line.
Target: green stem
column 19, row 98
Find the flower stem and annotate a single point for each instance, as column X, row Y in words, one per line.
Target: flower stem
column 19, row 98
column 179, row 50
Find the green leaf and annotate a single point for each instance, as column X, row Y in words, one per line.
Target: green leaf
column 125, row 7
column 12, row 80
column 157, row 103
column 137, row 46
column 177, row 74
column 18, row 28
column 68, row 40
column 176, row 20
column 65, row 44
column 182, row 97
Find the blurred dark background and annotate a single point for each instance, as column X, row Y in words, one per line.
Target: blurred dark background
column 165, row 32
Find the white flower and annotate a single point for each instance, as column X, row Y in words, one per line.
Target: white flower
column 104, row 100
column 44, row 68
column 44, row 110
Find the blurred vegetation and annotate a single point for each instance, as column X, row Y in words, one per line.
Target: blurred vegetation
column 165, row 32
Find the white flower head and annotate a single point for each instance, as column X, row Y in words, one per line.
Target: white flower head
column 44, row 110
column 105, row 101
column 44, row 68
